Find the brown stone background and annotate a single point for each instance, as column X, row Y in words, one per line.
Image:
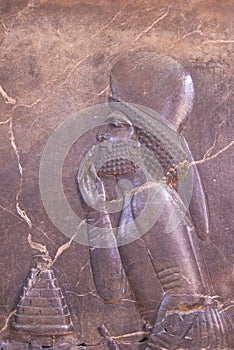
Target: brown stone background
column 55, row 60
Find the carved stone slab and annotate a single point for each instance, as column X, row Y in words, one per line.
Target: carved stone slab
column 57, row 58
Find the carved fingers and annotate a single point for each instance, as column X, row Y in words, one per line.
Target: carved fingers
column 92, row 189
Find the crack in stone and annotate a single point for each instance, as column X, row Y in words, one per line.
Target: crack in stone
column 20, row 211
column 13, row 145
column 223, row 100
column 22, row 220
column 183, row 16
column 43, row 232
column 145, row 186
column 229, row 306
column 196, row 31
column 221, row 253
column 4, row 26
column 145, row 31
column 5, row 121
column 111, row 339
column 10, row 212
column 186, row 278
column 203, row 296
column 80, row 272
column 147, row 9
column 185, row 36
column 62, row 248
column 75, row 67
column 28, row 105
column 205, row 159
column 112, row 20
column 8, row 99
column 129, row 335
column 103, row 90
column 221, row 41
column 90, row 292
column 7, row 321
column 129, row 301
column 67, row 245
column 38, row 246
column 216, row 139
column 11, row 226
column 103, row 331
column 95, row 93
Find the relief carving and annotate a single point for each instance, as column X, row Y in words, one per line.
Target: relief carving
column 116, row 166
column 42, row 312
column 128, row 259
column 146, row 217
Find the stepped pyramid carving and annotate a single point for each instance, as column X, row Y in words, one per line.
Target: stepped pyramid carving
column 42, row 310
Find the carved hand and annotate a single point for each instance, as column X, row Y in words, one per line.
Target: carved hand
column 92, row 189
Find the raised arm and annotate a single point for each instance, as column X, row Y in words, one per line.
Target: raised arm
column 108, row 272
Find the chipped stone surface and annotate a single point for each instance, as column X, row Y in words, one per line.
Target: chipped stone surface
column 55, row 59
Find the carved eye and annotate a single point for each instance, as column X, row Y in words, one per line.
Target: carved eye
column 117, row 124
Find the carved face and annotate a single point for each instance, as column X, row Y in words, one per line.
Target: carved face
column 115, row 156
column 118, row 127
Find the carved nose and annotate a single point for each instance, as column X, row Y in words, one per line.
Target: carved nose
column 100, row 137
column 103, row 137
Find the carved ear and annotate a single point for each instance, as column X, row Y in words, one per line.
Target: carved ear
column 156, row 81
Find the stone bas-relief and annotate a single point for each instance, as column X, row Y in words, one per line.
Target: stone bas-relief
column 130, row 258
column 42, row 310
column 125, row 263
column 55, row 59
column 190, row 314
column 42, row 313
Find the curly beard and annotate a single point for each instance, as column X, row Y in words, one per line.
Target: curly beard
column 116, row 158
column 117, row 166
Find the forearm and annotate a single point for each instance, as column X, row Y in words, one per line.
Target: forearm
column 108, row 272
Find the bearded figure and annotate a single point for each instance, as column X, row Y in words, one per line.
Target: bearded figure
column 142, row 238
